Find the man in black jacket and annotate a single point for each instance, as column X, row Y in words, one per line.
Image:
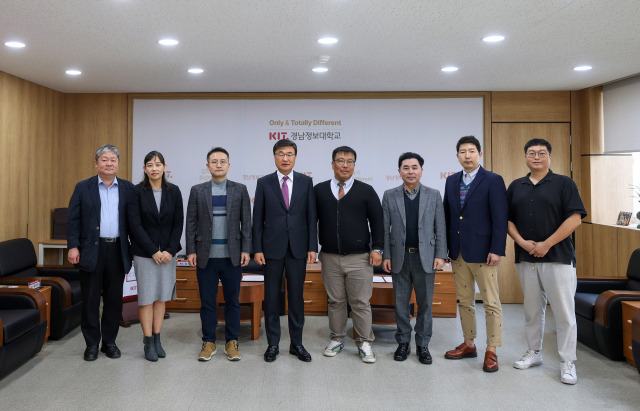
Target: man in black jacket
column 346, row 209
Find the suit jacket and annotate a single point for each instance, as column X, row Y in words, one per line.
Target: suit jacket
column 200, row 222
column 480, row 227
column 431, row 227
column 275, row 228
column 153, row 230
column 83, row 227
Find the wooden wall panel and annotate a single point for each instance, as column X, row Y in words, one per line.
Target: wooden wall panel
column 29, row 126
column 605, row 251
column 531, row 106
column 628, row 242
column 89, row 121
column 509, row 161
column 584, row 249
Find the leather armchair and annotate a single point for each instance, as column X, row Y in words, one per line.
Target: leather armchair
column 635, row 338
column 599, row 310
column 18, row 266
column 23, row 326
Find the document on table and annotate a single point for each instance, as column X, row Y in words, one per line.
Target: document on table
column 253, row 277
column 378, row 279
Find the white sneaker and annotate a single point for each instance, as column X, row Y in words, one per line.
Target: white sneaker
column 528, row 360
column 568, row 372
column 366, row 353
column 333, row 348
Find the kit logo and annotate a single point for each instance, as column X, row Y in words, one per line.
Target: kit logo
column 278, row 135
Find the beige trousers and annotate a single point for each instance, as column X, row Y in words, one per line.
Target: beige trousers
column 465, row 276
column 348, row 278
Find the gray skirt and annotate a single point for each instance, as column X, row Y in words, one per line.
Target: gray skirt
column 155, row 282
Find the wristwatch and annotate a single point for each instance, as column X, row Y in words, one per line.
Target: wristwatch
column 378, row 251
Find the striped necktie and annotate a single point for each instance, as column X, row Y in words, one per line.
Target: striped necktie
column 341, row 190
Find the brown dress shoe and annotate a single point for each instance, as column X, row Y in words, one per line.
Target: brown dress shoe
column 461, row 351
column 490, row 362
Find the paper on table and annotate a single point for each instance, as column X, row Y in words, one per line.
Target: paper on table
column 388, row 279
column 378, row 279
column 252, row 277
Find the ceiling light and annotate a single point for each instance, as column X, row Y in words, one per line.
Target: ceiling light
column 449, row 69
column 319, row 69
column 73, row 72
column 582, row 68
column 14, row 44
column 327, row 40
column 493, row 39
column 195, row 70
column 168, row 42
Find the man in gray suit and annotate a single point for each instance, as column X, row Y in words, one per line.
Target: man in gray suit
column 218, row 244
column 415, row 246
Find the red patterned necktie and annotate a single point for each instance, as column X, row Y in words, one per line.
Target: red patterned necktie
column 341, row 190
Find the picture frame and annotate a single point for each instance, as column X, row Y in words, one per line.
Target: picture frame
column 624, row 217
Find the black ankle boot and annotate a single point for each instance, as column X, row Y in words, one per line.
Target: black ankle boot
column 150, row 352
column 159, row 349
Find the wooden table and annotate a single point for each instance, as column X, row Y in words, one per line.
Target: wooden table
column 252, row 293
column 629, row 308
column 61, row 245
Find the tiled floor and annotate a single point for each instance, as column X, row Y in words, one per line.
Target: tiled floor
column 58, row 378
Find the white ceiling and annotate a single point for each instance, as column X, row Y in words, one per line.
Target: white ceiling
column 270, row 45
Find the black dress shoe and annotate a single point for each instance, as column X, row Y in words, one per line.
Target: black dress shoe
column 403, row 350
column 91, row 353
column 271, row 353
column 111, row 350
column 424, row 356
column 299, row 351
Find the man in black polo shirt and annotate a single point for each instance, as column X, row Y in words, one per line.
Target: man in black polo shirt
column 347, row 208
column 544, row 209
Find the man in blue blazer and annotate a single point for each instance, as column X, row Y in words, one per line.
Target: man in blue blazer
column 98, row 242
column 285, row 238
column 476, row 211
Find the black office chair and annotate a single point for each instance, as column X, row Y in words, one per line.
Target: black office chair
column 599, row 308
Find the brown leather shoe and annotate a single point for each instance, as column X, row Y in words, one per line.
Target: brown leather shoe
column 461, row 351
column 490, row 362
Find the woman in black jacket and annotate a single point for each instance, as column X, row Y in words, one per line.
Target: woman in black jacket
column 156, row 220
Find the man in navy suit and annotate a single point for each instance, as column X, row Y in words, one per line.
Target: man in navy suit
column 98, row 242
column 285, row 238
column 476, row 211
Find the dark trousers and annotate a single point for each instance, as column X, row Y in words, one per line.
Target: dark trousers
column 219, row 269
column 295, row 270
column 412, row 275
column 107, row 281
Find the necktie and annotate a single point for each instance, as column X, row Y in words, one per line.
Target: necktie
column 285, row 191
column 341, row 190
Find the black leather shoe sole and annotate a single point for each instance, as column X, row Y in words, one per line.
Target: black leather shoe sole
column 91, row 353
column 425, row 360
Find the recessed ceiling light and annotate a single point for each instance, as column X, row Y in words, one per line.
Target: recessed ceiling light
column 168, row 42
column 319, row 69
column 449, row 69
column 195, row 70
column 14, row 44
column 73, row 72
column 493, row 39
column 327, row 40
column 582, row 68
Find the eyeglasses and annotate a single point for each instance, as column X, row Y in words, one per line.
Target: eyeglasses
column 540, row 154
column 280, row 154
column 216, row 162
column 342, row 161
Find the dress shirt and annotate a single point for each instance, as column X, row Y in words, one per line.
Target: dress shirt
column 335, row 189
column 411, row 194
column 109, row 215
column 289, row 182
column 467, row 178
